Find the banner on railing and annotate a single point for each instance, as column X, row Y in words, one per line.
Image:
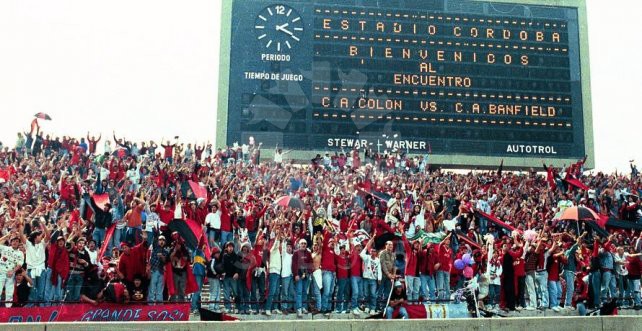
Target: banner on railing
column 99, row 313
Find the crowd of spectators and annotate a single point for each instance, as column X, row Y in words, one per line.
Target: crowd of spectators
column 359, row 233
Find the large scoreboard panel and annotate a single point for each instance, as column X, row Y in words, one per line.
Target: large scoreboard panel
column 470, row 82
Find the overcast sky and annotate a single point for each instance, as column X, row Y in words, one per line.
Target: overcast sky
column 149, row 69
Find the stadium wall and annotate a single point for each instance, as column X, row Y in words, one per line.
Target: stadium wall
column 614, row 323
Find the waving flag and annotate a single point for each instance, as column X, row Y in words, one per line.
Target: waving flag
column 43, row 116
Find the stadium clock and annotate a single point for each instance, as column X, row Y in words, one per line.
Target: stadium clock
column 279, row 27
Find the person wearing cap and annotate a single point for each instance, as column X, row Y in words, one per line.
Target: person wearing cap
column 398, row 298
column 132, row 260
column 328, row 267
column 215, row 273
column 356, row 271
column 11, row 261
column 343, row 277
column 156, row 267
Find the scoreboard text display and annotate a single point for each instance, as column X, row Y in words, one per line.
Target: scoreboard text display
column 469, row 82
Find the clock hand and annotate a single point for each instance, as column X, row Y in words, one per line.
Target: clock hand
column 281, row 27
column 287, row 31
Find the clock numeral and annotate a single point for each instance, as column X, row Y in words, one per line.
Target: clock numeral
column 280, row 10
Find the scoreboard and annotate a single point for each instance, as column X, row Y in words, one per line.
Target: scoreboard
column 470, row 82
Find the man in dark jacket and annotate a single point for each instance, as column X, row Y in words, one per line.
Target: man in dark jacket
column 215, row 271
column 230, row 275
column 102, row 220
column 79, row 262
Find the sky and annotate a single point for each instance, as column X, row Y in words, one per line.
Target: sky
column 148, row 69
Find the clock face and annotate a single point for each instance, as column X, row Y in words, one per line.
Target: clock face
column 278, row 28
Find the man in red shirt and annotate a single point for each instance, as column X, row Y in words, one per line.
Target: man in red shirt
column 168, row 151
column 427, row 261
column 356, row 282
column 554, row 286
column 343, row 277
column 328, row 267
column 634, row 267
column 443, row 267
column 413, row 282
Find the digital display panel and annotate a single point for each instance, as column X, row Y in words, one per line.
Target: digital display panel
column 443, row 77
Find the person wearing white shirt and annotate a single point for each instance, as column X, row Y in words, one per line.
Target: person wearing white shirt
column 11, row 261
column 619, row 260
column 494, row 273
column 371, row 275
column 484, row 206
column 287, row 287
column 274, row 277
column 213, row 224
column 35, row 259
column 152, row 225
column 92, row 252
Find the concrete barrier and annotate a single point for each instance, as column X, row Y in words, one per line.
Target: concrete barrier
column 607, row 323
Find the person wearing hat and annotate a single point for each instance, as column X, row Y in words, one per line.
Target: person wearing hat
column 11, row 261
column 398, row 298
column 356, row 271
column 302, row 270
column 156, row 267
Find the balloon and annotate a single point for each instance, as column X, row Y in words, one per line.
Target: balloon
column 459, row 264
column 468, row 272
column 530, row 235
column 466, row 258
column 471, row 262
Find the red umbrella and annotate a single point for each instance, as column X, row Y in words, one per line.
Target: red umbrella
column 288, row 201
column 43, row 116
